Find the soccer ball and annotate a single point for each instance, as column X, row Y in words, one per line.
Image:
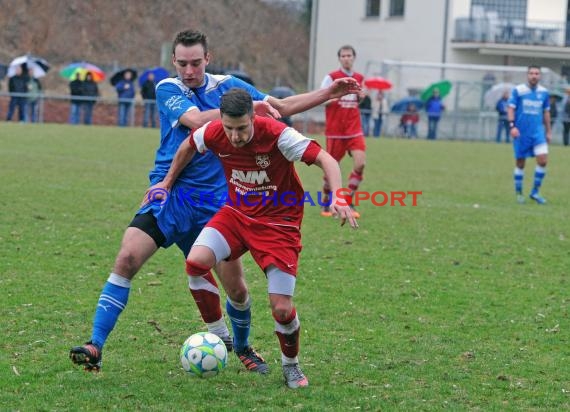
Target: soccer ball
column 203, row 355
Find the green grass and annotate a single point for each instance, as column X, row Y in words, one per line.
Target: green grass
column 459, row 303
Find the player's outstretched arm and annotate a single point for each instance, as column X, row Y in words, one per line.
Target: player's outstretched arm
column 264, row 109
column 183, row 156
column 195, row 118
column 339, row 207
column 302, row 102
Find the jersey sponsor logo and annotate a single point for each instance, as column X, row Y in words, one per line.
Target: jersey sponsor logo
column 349, row 98
column 250, row 176
column 532, row 107
column 348, row 101
column 174, row 103
column 262, row 161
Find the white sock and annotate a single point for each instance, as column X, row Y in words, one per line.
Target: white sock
column 218, row 328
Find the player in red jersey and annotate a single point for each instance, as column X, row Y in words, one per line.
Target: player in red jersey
column 264, row 207
column 343, row 128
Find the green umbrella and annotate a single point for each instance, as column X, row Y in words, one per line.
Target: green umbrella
column 443, row 86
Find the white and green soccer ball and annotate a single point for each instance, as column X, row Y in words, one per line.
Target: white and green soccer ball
column 203, row 355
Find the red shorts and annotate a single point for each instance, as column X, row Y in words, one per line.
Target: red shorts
column 269, row 244
column 337, row 148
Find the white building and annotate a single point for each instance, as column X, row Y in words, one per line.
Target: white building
column 470, row 32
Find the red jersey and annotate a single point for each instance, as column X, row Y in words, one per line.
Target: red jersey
column 342, row 114
column 410, row 117
column 261, row 177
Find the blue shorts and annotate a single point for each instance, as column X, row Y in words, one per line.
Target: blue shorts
column 180, row 217
column 525, row 147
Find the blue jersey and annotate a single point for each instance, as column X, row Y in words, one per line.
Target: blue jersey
column 204, row 173
column 530, row 105
column 195, row 196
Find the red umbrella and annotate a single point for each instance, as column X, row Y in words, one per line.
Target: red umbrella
column 378, row 83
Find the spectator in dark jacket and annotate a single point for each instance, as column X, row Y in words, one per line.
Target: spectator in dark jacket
column 90, row 89
column 126, row 93
column 365, row 107
column 149, row 96
column 75, row 89
column 18, row 84
column 503, row 122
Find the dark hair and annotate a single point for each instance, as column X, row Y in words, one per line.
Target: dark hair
column 190, row 38
column 533, row 66
column 346, row 47
column 236, row 103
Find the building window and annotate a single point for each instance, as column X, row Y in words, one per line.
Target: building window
column 397, row 8
column 506, row 9
column 372, row 8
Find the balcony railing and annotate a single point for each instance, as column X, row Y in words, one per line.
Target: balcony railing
column 486, row 30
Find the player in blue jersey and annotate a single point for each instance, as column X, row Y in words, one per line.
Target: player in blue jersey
column 187, row 102
column 529, row 124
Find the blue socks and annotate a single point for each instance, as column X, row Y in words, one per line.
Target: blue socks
column 518, row 175
column 112, row 301
column 240, row 317
column 539, row 173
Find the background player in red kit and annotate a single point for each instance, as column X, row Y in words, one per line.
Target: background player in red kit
column 264, row 208
column 343, row 128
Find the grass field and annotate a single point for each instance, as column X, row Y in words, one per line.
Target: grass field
column 459, row 303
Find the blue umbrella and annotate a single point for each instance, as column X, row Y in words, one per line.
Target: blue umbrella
column 160, row 73
column 241, row 75
column 401, row 106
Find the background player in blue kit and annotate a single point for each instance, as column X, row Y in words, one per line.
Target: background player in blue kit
column 185, row 103
column 529, row 124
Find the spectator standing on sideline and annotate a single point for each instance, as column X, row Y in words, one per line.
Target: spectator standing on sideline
column 34, row 95
column 343, row 128
column 126, row 93
column 91, row 90
column 502, row 122
column 529, row 124
column 270, row 232
column 410, row 120
column 434, row 109
column 75, row 90
column 148, row 94
column 365, row 107
column 566, row 120
column 18, row 84
column 379, row 109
